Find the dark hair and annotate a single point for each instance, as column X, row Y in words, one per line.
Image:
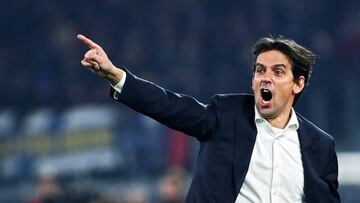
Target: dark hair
column 301, row 59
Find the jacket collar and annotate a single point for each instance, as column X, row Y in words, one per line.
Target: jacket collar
column 308, row 139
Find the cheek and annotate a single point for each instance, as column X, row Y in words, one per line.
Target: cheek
column 255, row 83
column 286, row 91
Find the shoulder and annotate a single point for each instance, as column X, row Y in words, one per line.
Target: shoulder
column 235, row 99
column 236, row 103
column 311, row 128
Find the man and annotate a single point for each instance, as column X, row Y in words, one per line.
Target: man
column 252, row 148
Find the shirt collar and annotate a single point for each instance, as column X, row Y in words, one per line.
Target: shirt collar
column 293, row 121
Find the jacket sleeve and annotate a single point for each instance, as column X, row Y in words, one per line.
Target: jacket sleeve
column 177, row 111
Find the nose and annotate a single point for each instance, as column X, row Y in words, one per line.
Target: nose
column 265, row 81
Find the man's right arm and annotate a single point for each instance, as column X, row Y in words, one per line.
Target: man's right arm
column 177, row 111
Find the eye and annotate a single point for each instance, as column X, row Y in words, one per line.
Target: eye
column 259, row 69
column 279, row 72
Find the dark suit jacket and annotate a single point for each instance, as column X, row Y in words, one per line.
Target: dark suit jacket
column 227, row 132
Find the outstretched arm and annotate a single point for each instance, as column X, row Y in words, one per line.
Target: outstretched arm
column 98, row 62
column 180, row 112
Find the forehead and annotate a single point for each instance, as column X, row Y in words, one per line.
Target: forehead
column 272, row 57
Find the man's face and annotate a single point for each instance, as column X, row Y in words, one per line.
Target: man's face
column 273, row 84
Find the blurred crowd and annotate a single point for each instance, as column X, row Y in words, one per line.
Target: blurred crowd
column 194, row 47
column 169, row 188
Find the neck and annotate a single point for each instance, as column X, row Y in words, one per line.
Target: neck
column 281, row 120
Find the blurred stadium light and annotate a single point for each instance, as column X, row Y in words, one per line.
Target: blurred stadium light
column 349, row 168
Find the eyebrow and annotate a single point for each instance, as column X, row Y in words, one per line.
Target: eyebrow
column 273, row 66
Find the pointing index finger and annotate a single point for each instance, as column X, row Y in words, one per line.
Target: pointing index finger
column 88, row 42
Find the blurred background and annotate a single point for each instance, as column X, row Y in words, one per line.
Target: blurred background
column 63, row 139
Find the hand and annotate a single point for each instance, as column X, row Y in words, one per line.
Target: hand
column 98, row 62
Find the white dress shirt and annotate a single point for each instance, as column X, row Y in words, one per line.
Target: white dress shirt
column 275, row 172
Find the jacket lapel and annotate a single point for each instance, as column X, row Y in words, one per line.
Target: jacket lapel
column 245, row 137
column 309, row 146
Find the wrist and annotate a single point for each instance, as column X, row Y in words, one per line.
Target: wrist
column 115, row 75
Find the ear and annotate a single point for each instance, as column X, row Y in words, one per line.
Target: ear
column 252, row 83
column 299, row 85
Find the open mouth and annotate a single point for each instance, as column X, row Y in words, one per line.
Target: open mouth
column 266, row 94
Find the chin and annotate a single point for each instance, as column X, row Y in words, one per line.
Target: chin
column 266, row 112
